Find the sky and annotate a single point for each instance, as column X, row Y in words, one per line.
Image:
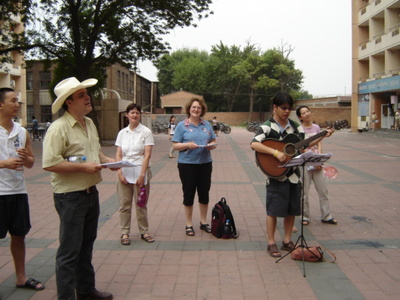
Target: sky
column 319, row 31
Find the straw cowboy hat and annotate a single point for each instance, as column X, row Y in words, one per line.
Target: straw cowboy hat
column 66, row 88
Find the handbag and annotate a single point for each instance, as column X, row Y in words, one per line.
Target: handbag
column 312, row 254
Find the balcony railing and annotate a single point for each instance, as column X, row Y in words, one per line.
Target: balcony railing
column 8, row 68
column 395, row 71
column 378, row 75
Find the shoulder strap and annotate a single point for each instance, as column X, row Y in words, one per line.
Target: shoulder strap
column 330, row 253
column 294, row 124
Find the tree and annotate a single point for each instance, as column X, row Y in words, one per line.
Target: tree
column 267, row 73
column 183, row 69
column 230, row 76
column 10, row 11
column 302, row 95
column 87, row 36
column 251, row 71
column 222, row 83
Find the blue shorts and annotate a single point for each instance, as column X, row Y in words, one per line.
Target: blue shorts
column 283, row 199
column 14, row 215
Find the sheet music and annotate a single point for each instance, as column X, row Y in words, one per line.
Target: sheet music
column 132, row 174
column 309, row 158
column 119, row 164
column 209, row 145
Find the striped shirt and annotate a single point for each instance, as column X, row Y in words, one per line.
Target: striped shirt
column 272, row 129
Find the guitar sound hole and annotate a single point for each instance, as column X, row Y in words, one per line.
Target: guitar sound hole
column 289, row 150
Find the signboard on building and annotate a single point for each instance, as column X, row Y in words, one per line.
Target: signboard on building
column 379, row 85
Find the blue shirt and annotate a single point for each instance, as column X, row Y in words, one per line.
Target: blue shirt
column 201, row 135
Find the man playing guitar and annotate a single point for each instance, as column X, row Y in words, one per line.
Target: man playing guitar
column 283, row 191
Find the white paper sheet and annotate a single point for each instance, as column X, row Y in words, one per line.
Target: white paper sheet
column 119, row 164
column 309, row 158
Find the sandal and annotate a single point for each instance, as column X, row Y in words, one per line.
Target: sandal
column 189, row 231
column 305, row 222
column 294, row 229
column 125, row 241
column 330, row 221
column 273, row 250
column 32, row 284
column 289, row 246
column 148, row 238
column 205, row 227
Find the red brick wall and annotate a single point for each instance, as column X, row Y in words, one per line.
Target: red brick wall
column 320, row 116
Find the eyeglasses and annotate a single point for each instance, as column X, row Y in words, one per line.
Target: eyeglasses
column 285, row 107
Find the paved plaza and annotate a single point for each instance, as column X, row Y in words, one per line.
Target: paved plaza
column 364, row 198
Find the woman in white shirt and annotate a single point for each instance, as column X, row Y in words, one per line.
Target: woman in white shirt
column 135, row 143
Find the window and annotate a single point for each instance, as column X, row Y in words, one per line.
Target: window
column 45, row 78
column 46, row 114
column 29, row 81
column 29, row 113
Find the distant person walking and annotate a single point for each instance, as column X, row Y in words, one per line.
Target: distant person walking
column 171, row 131
column 35, row 128
column 397, row 120
column 215, row 125
column 373, row 120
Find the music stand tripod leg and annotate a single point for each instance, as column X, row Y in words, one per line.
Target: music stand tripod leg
column 301, row 241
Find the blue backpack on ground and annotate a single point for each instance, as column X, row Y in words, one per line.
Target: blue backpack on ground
column 222, row 222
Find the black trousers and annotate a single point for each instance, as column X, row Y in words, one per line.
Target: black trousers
column 195, row 177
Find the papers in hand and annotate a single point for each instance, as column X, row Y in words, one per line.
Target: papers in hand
column 309, row 158
column 209, row 145
column 119, row 164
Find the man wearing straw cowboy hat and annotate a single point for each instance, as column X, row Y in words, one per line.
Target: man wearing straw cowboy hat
column 76, row 198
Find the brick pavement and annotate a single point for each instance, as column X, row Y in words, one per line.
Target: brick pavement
column 364, row 199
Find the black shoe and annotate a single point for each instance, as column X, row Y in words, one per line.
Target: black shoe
column 95, row 295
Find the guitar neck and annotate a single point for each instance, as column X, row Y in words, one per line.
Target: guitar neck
column 306, row 142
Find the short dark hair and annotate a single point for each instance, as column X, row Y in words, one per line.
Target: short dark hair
column 298, row 113
column 282, row 98
column 132, row 106
column 202, row 104
column 3, row 92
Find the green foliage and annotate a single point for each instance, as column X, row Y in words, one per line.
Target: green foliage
column 182, row 70
column 86, row 36
column 231, row 78
column 11, row 12
column 302, row 95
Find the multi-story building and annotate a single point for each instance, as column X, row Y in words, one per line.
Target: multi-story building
column 375, row 61
column 121, row 87
column 12, row 73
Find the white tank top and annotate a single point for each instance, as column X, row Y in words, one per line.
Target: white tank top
column 10, row 182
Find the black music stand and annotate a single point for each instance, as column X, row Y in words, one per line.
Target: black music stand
column 306, row 159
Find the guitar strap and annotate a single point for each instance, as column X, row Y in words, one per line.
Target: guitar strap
column 294, row 125
column 296, row 131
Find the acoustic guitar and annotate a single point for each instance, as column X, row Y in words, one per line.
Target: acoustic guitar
column 289, row 145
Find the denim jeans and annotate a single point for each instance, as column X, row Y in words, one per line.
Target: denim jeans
column 79, row 214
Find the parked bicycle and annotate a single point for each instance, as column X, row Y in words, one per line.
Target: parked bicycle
column 253, row 126
column 159, row 127
column 225, row 128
